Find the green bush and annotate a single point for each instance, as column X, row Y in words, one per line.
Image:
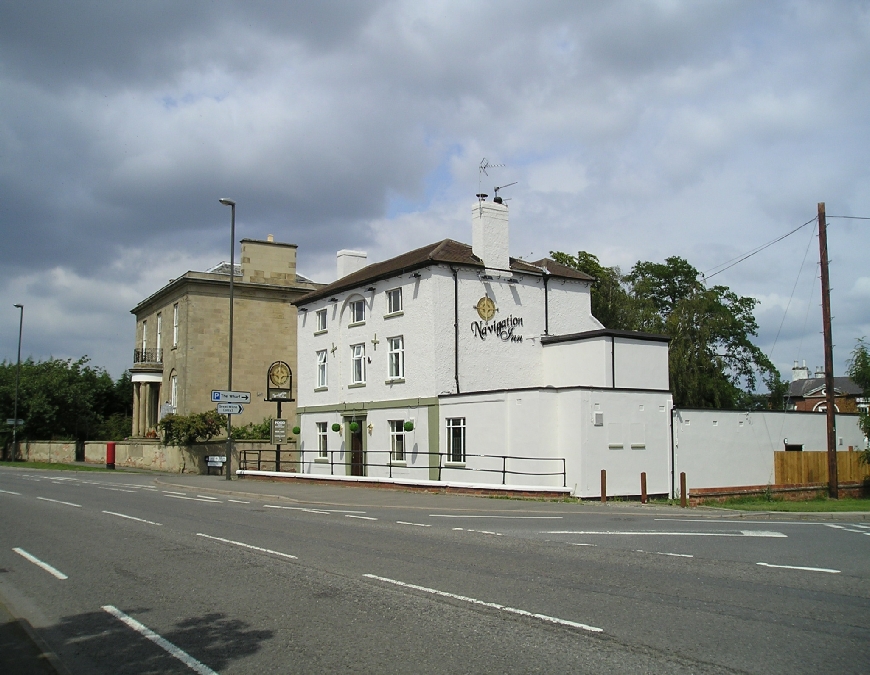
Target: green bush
column 190, row 429
column 296, row 430
column 336, row 427
column 254, row 432
column 409, row 426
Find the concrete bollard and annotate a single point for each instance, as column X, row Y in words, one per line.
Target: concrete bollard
column 603, row 486
column 643, row 499
column 684, row 498
column 110, row 455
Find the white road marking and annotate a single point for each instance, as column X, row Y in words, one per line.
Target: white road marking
column 9, row 492
column 116, row 489
column 243, row 545
column 298, row 508
column 237, row 501
column 740, row 522
column 743, row 533
column 462, row 529
column 492, row 605
column 806, row 569
column 207, row 497
column 36, row 561
column 445, row 515
column 676, row 555
column 161, row 642
column 349, row 515
column 196, row 499
column 170, row 492
column 402, row 522
column 57, row 501
column 573, row 544
column 141, row 520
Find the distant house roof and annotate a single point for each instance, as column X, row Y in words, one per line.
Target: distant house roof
column 446, row 251
column 223, row 267
column 815, row 386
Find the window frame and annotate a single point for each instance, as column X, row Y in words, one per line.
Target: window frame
column 173, row 392
column 175, row 325
column 322, row 440
column 452, row 453
column 391, row 295
column 396, row 357
column 358, row 358
column 159, row 342
column 320, row 325
column 322, row 369
column 144, row 336
column 357, row 312
column 397, row 441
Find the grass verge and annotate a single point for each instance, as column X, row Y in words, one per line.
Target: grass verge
column 818, row 505
column 48, row 465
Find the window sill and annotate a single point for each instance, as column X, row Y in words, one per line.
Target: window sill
column 395, row 380
column 321, row 389
column 393, row 315
column 454, row 465
column 321, row 332
column 356, row 323
column 321, row 460
column 356, row 385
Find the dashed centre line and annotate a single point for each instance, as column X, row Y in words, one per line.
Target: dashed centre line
column 57, row 501
column 237, row 501
column 39, row 563
column 250, row 546
column 196, row 499
column 462, row 529
column 743, row 533
column 796, row 567
column 163, row 643
column 676, row 555
column 10, row 492
column 350, row 515
column 492, row 605
column 402, row 522
column 141, row 520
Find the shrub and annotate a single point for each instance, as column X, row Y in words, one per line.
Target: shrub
column 189, row 429
column 254, row 432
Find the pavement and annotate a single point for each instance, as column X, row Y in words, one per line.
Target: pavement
column 22, row 650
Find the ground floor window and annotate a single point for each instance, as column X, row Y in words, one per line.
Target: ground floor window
column 455, row 439
column 322, row 451
column 397, row 440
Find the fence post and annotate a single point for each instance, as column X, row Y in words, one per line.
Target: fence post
column 643, row 499
column 503, row 467
column 564, row 475
column 684, row 498
column 603, row 486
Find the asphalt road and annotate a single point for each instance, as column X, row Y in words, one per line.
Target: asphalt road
column 128, row 573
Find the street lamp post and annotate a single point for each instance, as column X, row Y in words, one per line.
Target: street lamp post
column 17, row 380
column 232, row 205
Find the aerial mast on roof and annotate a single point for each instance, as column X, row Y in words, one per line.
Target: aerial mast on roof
column 481, row 171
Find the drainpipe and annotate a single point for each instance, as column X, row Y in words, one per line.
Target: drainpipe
column 673, row 455
column 612, row 362
column 455, row 327
column 546, row 306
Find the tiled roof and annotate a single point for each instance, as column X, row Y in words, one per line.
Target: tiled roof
column 844, row 386
column 445, row 251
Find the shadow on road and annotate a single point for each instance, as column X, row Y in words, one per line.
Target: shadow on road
column 103, row 643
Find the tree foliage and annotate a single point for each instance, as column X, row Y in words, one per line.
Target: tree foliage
column 713, row 362
column 193, row 428
column 859, row 371
column 63, row 399
column 254, row 432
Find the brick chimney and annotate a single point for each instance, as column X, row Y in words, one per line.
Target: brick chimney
column 489, row 234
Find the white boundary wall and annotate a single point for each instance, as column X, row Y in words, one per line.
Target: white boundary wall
column 731, row 448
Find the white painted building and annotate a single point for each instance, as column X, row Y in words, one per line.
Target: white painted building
column 459, row 364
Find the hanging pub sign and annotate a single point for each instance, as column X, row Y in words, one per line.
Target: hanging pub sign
column 503, row 330
column 279, row 382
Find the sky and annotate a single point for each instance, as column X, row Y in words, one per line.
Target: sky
column 634, row 130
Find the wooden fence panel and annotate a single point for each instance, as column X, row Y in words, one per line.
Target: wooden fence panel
column 802, row 468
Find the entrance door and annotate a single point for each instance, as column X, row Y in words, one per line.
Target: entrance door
column 357, row 467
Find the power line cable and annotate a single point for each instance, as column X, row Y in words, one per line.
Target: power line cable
column 790, row 297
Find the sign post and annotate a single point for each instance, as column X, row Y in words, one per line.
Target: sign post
column 279, row 388
column 229, row 396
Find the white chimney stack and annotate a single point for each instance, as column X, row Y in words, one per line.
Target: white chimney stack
column 800, row 372
column 489, row 234
column 348, row 262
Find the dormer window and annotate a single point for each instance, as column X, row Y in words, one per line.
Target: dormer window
column 358, row 311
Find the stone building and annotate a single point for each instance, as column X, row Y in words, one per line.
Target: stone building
column 182, row 336
column 458, row 363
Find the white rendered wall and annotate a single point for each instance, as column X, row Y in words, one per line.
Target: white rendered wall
column 490, row 235
column 732, row 448
column 570, row 307
column 585, row 363
column 640, row 364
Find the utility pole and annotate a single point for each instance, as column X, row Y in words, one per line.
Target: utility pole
column 833, row 482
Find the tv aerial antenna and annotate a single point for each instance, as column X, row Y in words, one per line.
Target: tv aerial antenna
column 481, row 171
column 497, row 199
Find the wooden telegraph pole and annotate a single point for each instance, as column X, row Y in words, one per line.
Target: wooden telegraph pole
column 833, row 482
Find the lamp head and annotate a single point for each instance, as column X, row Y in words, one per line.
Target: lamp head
column 227, row 202
column 19, row 306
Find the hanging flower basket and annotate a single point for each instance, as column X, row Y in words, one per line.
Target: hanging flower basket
column 296, row 430
column 354, row 426
column 409, row 426
column 336, row 427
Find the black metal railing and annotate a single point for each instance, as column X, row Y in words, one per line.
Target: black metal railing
column 149, row 355
column 254, row 458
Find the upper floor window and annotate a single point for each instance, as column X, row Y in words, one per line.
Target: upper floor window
column 321, row 369
column 320, row 324
column 358, row 311
column 397, row 440
column 175, row 325
column 455, row 439
column 144, row 335
column 397, row 356
column 159, row 331
column 358, row 365
column 394, row 301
